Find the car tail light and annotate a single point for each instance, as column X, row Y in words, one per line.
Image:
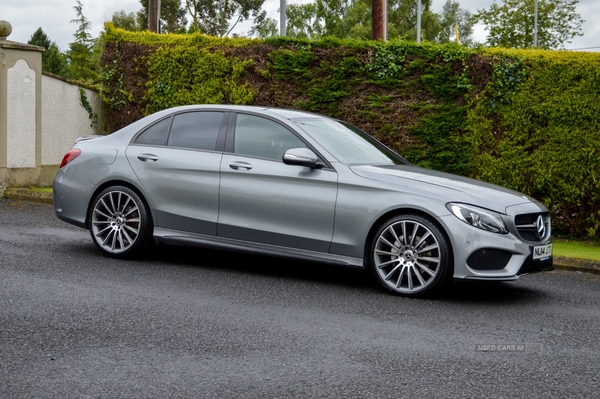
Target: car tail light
column 69, row 156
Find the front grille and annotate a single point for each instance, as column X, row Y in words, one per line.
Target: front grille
column 528, row 228
column 489, row 259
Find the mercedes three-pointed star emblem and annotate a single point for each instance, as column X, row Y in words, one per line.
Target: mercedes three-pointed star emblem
column 540, row 227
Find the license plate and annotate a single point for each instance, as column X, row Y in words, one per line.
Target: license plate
column 542, row 251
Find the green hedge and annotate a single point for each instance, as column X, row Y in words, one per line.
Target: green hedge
column 523, row 119
column 544, row 139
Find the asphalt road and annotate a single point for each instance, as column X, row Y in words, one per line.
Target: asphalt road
column 191, row 323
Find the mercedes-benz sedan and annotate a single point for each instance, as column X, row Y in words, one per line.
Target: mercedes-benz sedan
column 298, row 185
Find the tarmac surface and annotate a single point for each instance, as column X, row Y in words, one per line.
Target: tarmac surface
column 560, row 262
column 183, row 322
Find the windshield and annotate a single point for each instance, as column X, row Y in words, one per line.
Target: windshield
column 349, row 144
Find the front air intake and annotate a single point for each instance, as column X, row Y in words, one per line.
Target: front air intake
column 489, row 259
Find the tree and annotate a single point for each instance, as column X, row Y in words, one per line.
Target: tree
column 356, row 21
column 331, row 13
column 352, row 18
column 402, row 17
column 264, row 27
column 512, row 23
column 304, row 21
column 121, row 19
column 341, row 18
column 451, row 16
column 219, row 17
column 53, row 60
column 81, row 55
column 172, row 16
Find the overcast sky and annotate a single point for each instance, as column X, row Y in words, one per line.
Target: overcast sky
column 54, row 17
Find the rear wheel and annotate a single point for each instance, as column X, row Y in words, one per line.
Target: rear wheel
column 411, row 256
column 119, row 222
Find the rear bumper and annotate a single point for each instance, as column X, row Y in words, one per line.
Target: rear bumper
column 71, row 198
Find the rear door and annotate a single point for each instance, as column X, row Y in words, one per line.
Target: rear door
column 177, row 161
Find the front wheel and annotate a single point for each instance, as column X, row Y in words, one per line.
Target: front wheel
column 411, row 256
column 119, row 222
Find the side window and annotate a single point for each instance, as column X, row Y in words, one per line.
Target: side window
column 197, row 130
column 260, row 137
column 155, row 134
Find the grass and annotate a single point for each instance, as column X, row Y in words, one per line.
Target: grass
column 576, row 249
column 42, row 189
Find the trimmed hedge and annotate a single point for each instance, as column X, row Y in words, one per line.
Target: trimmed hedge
column 544, row 139
column 522, row 119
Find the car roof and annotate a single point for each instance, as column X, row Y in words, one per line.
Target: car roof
column 281, row 112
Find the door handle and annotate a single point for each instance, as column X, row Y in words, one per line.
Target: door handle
column 147, row 157
column 240, row 165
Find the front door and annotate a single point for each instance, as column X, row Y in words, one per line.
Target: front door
column 266, row 201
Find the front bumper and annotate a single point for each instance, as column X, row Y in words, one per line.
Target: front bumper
column 482, row 255
column 534, row 266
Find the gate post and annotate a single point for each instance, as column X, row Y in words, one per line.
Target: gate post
column 20, row 111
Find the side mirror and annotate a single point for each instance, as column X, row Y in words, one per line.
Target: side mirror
column 300, row 156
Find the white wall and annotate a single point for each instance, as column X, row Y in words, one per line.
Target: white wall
column 63, row 117
column 40, row 117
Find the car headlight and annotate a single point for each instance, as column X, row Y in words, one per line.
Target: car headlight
column 478, row 217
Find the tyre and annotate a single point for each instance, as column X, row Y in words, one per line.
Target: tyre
column 119, row 222
column 411, row 256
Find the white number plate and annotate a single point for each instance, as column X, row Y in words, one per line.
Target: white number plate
column 542, row 251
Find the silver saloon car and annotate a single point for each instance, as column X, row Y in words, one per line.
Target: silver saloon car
column 298, row 185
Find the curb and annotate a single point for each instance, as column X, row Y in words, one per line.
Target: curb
column 579, row 265
column 559, row 262
column 26, row 194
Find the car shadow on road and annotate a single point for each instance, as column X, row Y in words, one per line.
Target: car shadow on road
column 335, row 276
column 244, row 263
column 482, row 292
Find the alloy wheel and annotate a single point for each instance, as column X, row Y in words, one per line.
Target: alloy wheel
column 408, row 256
column 116, row 222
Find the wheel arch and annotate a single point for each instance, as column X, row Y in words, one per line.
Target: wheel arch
column 123, row 183
column 399, row 212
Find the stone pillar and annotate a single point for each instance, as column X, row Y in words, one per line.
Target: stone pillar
column 20, row 111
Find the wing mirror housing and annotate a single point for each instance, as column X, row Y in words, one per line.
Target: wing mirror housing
column 301, row 157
